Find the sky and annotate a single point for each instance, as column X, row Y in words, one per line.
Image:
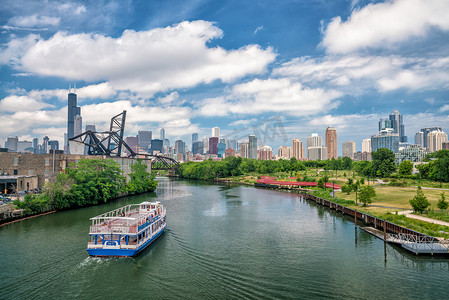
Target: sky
column 278, row 69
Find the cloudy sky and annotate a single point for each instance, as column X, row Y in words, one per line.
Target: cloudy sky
column 190, row 65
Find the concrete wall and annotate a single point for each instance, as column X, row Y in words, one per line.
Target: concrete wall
column 47, row 166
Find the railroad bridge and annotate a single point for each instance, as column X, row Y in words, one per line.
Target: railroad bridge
column 111, row 143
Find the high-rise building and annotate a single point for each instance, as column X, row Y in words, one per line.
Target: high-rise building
column 265, row 153
column 53, row 145
column 144, row 139
column 317, row 153
column 435, row 140
column 162, row 136
column 244, row 150
column 35, row 143
column 45, row 144
column 252, row 147
column 156, row 146
column 180, row 147
column 348, row 149
column 232, row 144
column 12, row 144
column 216, row 132
column 419, row 138
column 285, row 152
column 213, row 145
column 91, row 127
column 221, row 148
column 331, row 142
column 78, row 129
column 72, row 111
column 426, row 131
column 24, row 146
column 445, row 145
column 413, row 153
column 133, row 143
column 298, row 149
column 385, row 139
column 397, row 123
column 314, row 141
column 205, row 144
column 194, row 138
column 384, row 124
column 366, row 145
column 197, row 148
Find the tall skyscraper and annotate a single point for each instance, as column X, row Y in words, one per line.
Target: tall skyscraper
column 180, row 147
column 194, row 139
column 53, row 145
column 284, row 151
column 317, row 153
column 366, row 145
column 314, row 141
column 348, row 149
column 12, row 144
column 72, row 111
column 298, row 149
column 426, row 131
column 213, row 145
column 78, row 129
column 197, row 148
column 397, row 124
column 419, row 138
column 216, row 132
column 35, row 143
column 244, row 149
column 205, row 144
column 331, row 142
column 162, row 137
column 144, row 139
column 252, row 147
column 435, row 140
column 45, row 144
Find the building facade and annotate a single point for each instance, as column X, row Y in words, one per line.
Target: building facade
column 435, row 140
column 317, row 153
column 216, row 132
column 385, row 139
column 331, row 142
column 413, row 153
column 298, row 149
column 72, row 111
column 348, row 149
column 366, row 145
column 252, row 147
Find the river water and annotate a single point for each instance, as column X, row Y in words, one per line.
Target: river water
column 221, row 242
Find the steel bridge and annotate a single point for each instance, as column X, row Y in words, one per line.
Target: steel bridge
column 111, row 143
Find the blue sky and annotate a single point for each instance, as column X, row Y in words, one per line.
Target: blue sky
column 188, row 66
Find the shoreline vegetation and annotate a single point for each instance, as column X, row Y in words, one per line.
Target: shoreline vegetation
column 88, row 182
column 393, row 186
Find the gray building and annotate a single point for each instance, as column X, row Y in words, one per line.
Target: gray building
column 426, row 132
column 317, row 153
column 180, row 147
column 348, row 149
column 11, row 144
column 413, row 153
column 252, row 147
column 144, row 139
column 198, row 148
column 72, row 111
column 385, row 139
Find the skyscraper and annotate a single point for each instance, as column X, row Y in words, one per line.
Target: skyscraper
column 180, row 147
column 244, row 149
column 426, row 131
column 213, row 145
column 72, row 111
column 314, row 141
column 348, row 149
column 298, row 149
column 385, row 139
column 317, row 153
column 78, row 129
column 435, row 140
column 216, row 132
column 366, row 145
column 252, row 147
column 419, row 138
column 45, row 144
column 162, row 137
column 205, row 144
column 194, row 139
column 397, row 123
column 331, row 142
column 144, row 139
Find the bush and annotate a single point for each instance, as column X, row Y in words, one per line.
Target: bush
column 442, row 203
column 419, row 202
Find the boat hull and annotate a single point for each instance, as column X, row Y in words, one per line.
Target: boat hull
column 124, row 252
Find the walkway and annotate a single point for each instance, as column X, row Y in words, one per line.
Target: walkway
column 408, row 214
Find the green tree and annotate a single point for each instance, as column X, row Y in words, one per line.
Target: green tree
column 366, row 194
column 140, row 180
column 346, row 189
column 347, row 163
column 405, row 168
column 383, row 162
column 442, row 203
column 320, row 183
column 419, row 202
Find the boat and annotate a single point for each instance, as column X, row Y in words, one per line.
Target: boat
column 127, row 230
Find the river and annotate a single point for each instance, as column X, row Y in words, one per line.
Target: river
column 221, row 242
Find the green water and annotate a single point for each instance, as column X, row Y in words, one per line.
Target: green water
column 221, row 242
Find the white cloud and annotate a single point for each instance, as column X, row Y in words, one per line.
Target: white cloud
column 384, row 24
column 144, row 62
column 71, row 8
column 259, row 28
column 243, row 122
column 21, row 103
column 357, row 74
column 34, row 21
column 271, row 95
column 444, row 108
column 169, row 98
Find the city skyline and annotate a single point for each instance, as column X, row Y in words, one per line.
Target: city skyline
column 226, row 70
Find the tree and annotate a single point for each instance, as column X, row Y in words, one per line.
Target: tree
column 320, row 183
column 405, row 168
column 442, row 203
column 419, row 202
column 366, row 194
column 347, row 163
column 383, row 162
column 140, row 180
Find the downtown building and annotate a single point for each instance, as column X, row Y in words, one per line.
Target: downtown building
column 348, row 149
column 331, row 142
column 72, row 112
column 435, row 140
column 385, row 139
column 315, row 149
column 252, row 147
column 297, row 150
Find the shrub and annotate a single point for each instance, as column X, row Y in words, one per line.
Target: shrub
column 442, row 203
column 419, row 202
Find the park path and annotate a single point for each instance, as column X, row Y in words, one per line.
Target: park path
column 408, row 214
